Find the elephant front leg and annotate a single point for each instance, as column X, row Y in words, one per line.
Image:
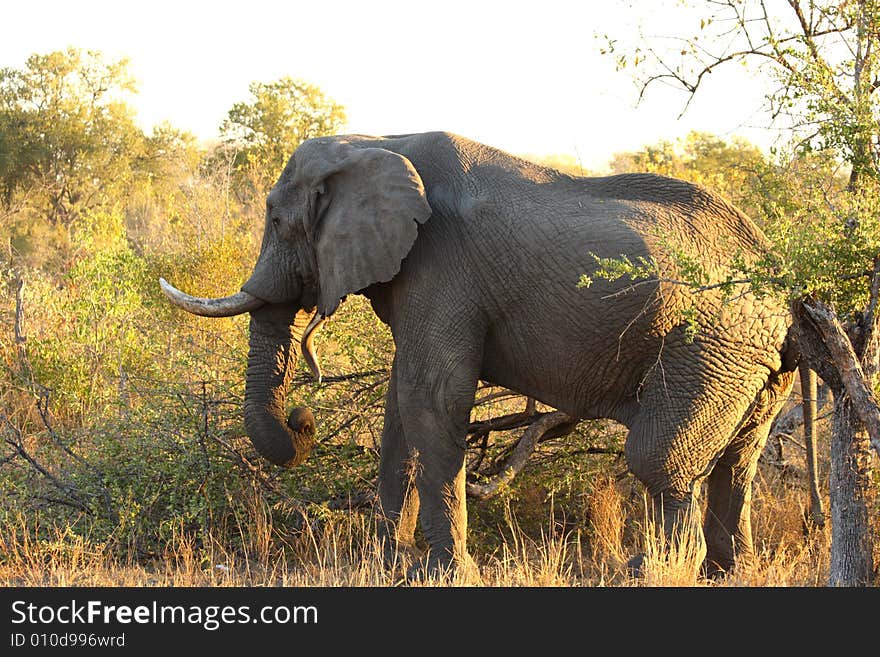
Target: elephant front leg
column 673, row 533
column 443, row 516
column 398, row 496
column 435, row 421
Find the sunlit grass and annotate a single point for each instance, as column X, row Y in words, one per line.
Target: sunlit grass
column 342, row 551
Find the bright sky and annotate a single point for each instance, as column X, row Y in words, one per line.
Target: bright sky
column 525, row 76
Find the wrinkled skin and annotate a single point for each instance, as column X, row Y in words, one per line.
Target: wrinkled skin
column 472, row 257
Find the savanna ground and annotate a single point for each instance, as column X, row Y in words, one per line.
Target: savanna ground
column 123, row 456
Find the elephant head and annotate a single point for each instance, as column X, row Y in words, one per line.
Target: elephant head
column 342, row 216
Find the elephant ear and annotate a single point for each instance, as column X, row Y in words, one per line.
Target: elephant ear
column 365, row 219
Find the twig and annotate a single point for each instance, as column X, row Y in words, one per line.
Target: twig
column 339, row 378
column 359, row 500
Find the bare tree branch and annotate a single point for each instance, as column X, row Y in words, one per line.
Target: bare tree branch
column 517, row 461
column 851, row 371
column 871, row 350
column 17, row 443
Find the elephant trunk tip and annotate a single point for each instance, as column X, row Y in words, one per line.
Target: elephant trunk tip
column 285, row 444
column 301, row 423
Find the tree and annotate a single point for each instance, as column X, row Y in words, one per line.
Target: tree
column 168, row 178
column 67, row 133
column 265, row 131
column 736, row 169
column 825, row 56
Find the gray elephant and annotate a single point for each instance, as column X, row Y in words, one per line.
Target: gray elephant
column 472, row 257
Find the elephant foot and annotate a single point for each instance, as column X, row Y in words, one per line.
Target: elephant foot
column 716, row 567
column 714, row 570
column 725, row 553
column 432, row 567
column 399, row 557
column 635, row 567
column 445, row 569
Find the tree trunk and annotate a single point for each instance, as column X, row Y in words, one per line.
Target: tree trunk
column 855, row 376
column 809, row 395
column 850, row 490
column 831, row 350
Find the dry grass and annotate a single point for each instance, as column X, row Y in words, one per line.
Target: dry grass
column 342, row 551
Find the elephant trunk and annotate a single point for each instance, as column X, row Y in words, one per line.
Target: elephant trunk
column 271, row 363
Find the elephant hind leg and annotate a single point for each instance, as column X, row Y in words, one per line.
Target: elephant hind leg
column 671, row 447
column 728, row 527
column 671, row 475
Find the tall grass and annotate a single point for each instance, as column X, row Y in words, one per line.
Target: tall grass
column 341, row 550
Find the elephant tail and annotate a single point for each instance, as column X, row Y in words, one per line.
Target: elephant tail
column 791, row 353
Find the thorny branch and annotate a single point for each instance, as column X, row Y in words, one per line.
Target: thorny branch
column 13, row 435
column 13, row 438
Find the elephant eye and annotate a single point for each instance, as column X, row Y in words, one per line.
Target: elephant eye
column 275, row 221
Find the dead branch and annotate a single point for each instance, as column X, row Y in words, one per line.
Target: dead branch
column 24, row 365
column 19, row 312
column 359, row 500
column 16, row 442
column 503, row 423
column 787, row 424
column 339, row 378
column 847, row 363
column 871, row 324
column 525, row 446
column 493, row 396
column 809, row 390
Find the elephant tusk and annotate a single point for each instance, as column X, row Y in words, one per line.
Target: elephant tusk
column 237, row 304
column 308, row 346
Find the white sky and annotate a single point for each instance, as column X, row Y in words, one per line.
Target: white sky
column 525, row 76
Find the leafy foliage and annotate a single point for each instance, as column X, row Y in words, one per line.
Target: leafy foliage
column 65, row 125
column 264, row 132
column 121, row 415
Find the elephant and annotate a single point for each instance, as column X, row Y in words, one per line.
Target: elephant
column 472, row 257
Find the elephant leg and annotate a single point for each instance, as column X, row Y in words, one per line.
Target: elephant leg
column 435, row 405
column 728, row 528
column 398, row 496
column 728, row 525
column 670, row 450
column 675, row 517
